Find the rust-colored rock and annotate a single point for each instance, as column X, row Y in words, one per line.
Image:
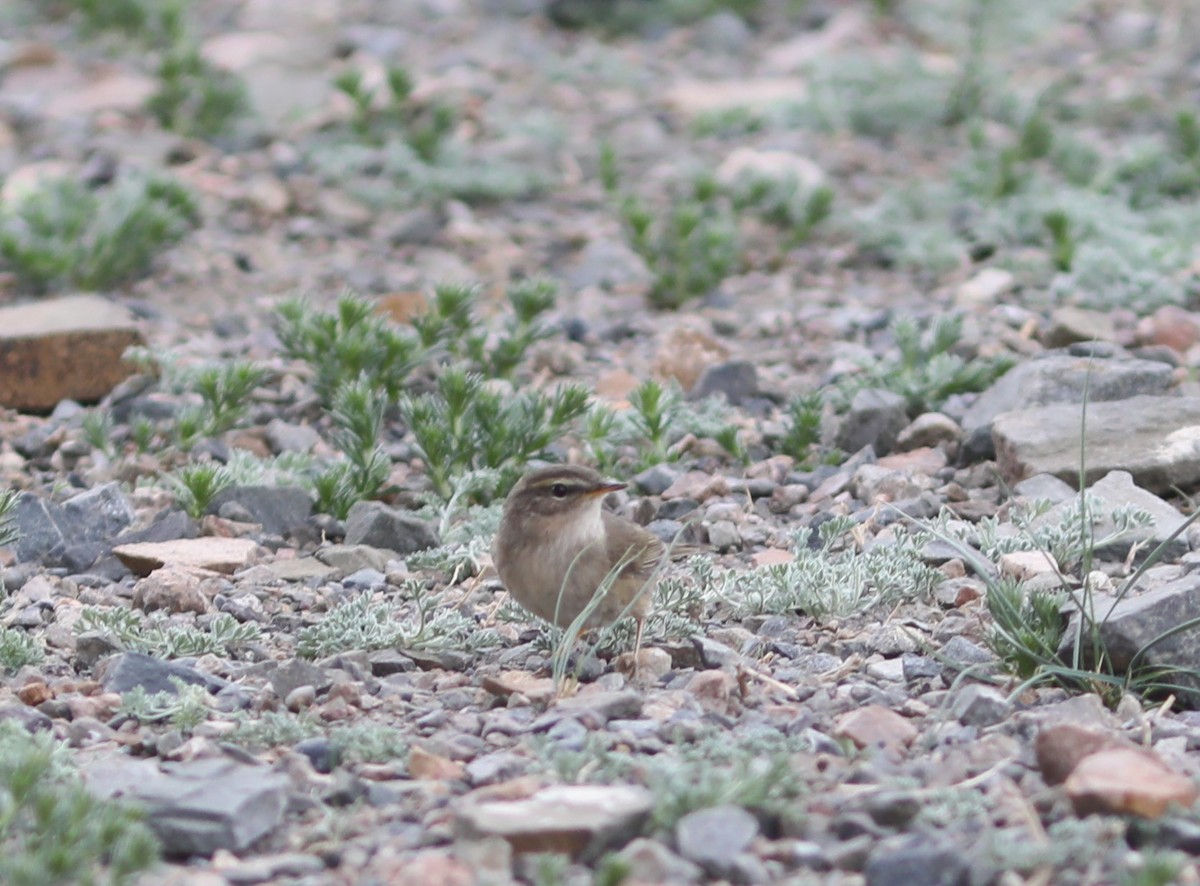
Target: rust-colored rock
column 426, row 765
column 1062, row 747
column 1127, row 781
column 63, row 348
column 876, row 726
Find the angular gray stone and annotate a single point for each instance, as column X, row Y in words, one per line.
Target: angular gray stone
column 714, row 837
column 916, row 859
column 132, row 669
column 347, row 559
column 54, row 533
column 656, row 480
column 285, row 437
column 279, row 509
column 979, row 705
column 736, row 379
column 582, row 821
column 1135, row 621
column 1061, row 378
column 875, row 419
column 1156, row 439
column 375, row 524
column 198, row 806
column 296, row 672
column 1045, row 486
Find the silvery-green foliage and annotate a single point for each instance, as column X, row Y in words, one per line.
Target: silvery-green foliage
column 1067, row 538
column 424, row 622
column 186, row 707
column 157, row 636
column 828, row 582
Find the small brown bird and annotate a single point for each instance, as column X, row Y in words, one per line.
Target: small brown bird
column 557, row 545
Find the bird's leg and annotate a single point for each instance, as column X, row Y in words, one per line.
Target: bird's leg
column 637, row 643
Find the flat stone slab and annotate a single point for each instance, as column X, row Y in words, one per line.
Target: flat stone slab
column 578, row 820
column 198, row 806
column 1156, row 439
column 224, row 555
column 63, row 348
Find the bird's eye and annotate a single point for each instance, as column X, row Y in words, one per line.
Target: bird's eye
column 558, row 490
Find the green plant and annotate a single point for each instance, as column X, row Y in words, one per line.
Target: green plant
column 154, row 21
column 465, row 425
column 803, row 432
column 1029, row 631
column 349, row 343
column 827, row 582
column 17, row 649
column 784, row 202
column 923, row 368
column 52, row 830
column 424, row 128
column 197, row 484
column 9, row 532
column 194, row 97
column 364, row 467
column 143, row 431
column 756, row 772
column 186, row 707
column 1058, row 223
column 690, row 249
column 63, row 234
column 626, row 16
column 362, row 624
column 157, row 636
column 97, row 429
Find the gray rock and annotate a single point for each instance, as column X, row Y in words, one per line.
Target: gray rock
column 916, row 859
column 91, row 646
column 655, row 863
column 285, row 437
column 169, row 526
column 364, row 580
column 1061, row 378
column 296, row 672
column 962, row 652
column 348, row 559
column 1156, row 439
column 279, row 509
column 31, row 719
column 875, row 419
column 722, row 32
column 496, row 767
column 386, row 662
column 132, row 669
column 723, row 536
column 675, row 508
column 607, row 264
column 656, row 480
column 87, row 522
column 198, row 806
column 892, row 809
column 1045, row 486
column 1137, row 620
column 919, row 667
column 714, row 837
column 737, row 380
column 620, row 704
column 375, row 524
column 979, row 705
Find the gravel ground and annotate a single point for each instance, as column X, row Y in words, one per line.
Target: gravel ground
column 880, row 207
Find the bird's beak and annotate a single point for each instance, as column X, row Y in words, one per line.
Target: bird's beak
column 606, row 488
